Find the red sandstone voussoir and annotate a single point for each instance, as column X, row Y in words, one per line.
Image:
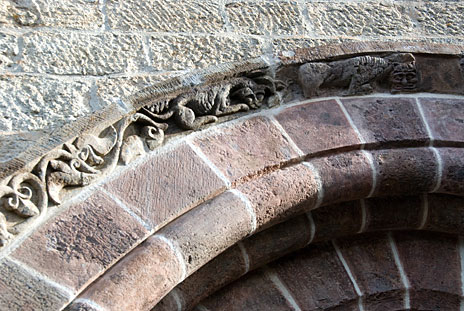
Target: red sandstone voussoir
column 281, row 194
column 277, row 241
column 209, row 229
column 371, row 262
column 445, row 117
column 242, row 296
column 79, row 244
column 337, row 220
column 318, row 127
column 344, row 177
column 394, row 121
column 405, row 171
column 432, row 265
column 22, row 291
column 166, row 185
column 394, row 213
column 452, row 179
column 323, row 282
column 445, row 214
column 140, row 280
column 247, row 147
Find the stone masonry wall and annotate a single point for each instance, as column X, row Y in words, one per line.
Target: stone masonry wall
column 62, row 59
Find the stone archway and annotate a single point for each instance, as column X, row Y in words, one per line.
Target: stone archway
column 164, row 223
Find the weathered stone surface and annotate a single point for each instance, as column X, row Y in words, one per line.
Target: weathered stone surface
column 242, row 296
column 360, row 18
column 82, row 242
column 177, row 52
column 370, row 260
column 452, row 181
column 166, row 185
column 263, row 18
column 344, row 176
column 281, row 194
column 165, row 16
column 140, row 280
column 318, row 127
column 439, row 74
column 9, row 49
column 391, row 120
column 78, row 14
column 82, row 54
column 322, row 284
column 209, row 229
column 435, row 281
column 30, row 103
column 441, row 18
column 337, row 220
column 445, row 118
column 245, row 148
column 23, row 291
column 445, row 214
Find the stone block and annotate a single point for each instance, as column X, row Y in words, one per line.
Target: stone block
column 265, row 18
column 441, row 18
column 31, row 103
column 282, row 194
column 245, row 148
column 318, row 127
column 165, row 16
column 394, row 121
column 166, row 185
column 140, row 280
column 445, row 214
column 9, row 50
column 23, row 291
column 178, row 52
column 209, row 229
column 83, row 54
column 365, row 18
column 81, row 243
column 75, row 14
column 452, row 181
column 439, row 74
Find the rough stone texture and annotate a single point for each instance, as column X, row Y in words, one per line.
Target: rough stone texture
column 23, row 291
column 30, row 103
column 441, row 18
column 445, row 118
column 75, row 14
column 166, row 185
column 318, row 127
column 281, row 194
column 277, row 241
column 209, row 229
column 394, row 213
column 337, row 220
column 242, row 296
column 140, row 280
column 439, row 75
column 370, row 260
column 322, row 284
column 405, row 171
column 439, row 258
column 197, row 51
column 360, row 18
column 393, row 120
column 344, row 176
column 246, row 147
column 165, row 16
column 80, row 306
column 452, row 181
column 276, row 17
column 445, row 214
column 82, row 54
column 81, row 243
column 9, row 49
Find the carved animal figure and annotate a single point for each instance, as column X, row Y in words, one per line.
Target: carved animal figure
column 201, row 106
column 356, row 74
column 403, row 77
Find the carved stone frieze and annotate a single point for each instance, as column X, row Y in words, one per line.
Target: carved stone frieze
column 26, row 196
column 358, row 75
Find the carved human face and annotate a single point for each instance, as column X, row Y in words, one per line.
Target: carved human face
column 404, row 77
